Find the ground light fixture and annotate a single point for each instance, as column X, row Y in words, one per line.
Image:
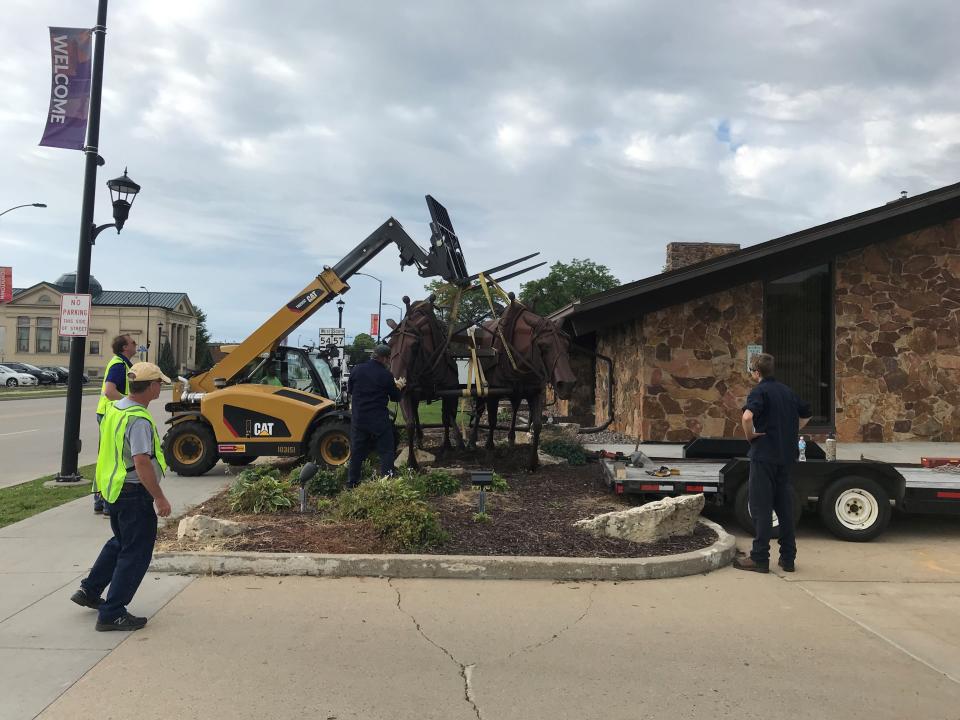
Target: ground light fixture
column 306, row 475
column 481, row 479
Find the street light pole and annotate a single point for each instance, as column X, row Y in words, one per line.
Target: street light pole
column 147, row 333
column 123, row 192
column 379, row 300
column 20, row 206
column 340, row 305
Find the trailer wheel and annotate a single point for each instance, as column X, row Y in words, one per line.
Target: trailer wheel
column 190, row 448
column 855, row 508
column 330, row 444
column 741, row 508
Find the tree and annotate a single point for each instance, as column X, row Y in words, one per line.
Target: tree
column 356, row 352
column 566, row 283
column 473, row 304
column 204, row 359
column 168, row 366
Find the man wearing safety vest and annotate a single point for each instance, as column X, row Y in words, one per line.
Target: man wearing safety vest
column 130, row 466
column 114, row 387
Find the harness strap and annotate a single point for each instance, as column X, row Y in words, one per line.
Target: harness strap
column 493, row 311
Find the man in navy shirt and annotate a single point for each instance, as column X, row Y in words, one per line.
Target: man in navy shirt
column 772, row 418
column 371, row 386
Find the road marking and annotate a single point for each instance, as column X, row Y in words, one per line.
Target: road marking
column 20, row 432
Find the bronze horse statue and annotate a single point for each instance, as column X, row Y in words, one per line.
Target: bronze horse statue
column 530, row 353
column 420, row 354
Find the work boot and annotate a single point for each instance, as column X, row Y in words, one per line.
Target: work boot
column 748, row 564
column 124, row 622
column 787, row 566
column 81, row 597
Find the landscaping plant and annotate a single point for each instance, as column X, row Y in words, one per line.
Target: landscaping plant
column 396, row 510
column 569, row 449
column 262, row 490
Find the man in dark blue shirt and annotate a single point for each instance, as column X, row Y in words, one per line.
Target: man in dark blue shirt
column 772, row 418
column 371, row 387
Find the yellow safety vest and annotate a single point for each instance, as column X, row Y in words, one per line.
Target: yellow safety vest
column 104, row 400
column 111, row 470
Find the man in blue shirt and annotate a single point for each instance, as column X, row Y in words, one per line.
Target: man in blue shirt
column 772, row 419
column 371, row 387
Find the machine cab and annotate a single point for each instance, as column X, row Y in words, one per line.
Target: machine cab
column 304, row 369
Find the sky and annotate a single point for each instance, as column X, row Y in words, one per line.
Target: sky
column 270, row 138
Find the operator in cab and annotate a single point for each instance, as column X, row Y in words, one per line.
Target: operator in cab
column 371, row 387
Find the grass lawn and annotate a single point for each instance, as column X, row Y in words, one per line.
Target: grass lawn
column 429, row 414
column 29, row 498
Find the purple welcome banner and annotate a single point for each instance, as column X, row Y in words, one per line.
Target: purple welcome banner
column 70, row 53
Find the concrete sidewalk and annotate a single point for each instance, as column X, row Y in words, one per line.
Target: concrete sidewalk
column 47, row 642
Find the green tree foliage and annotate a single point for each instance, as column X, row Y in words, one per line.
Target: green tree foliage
column 204, row 360
column 473, row 304
column 168, row 366
column 566, row 283
column 357, row 351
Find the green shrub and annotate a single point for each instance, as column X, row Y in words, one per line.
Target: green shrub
column 327, row 481
column 325, row 505
column 434, row 482
column 481, row 517
column 568, row 449
column 396, row 510
column 261, row 490
column 499, row 483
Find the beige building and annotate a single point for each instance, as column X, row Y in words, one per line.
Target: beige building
column 29, row 325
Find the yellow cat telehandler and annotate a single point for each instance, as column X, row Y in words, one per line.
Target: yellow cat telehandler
column 264, row 398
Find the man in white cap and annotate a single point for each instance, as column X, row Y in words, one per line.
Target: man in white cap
column 130, row 466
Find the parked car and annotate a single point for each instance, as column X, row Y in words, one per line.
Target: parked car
column 63, row 373
column 13, row 378
column 44, row 377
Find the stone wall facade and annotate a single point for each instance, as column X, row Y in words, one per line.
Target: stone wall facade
column 680, row 372
column 681, row 254
column 897, row 338
column 580, row 406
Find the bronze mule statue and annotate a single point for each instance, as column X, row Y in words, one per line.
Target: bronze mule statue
column 420, row 354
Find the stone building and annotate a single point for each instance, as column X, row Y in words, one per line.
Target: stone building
column 29, row 324
column 862, row 315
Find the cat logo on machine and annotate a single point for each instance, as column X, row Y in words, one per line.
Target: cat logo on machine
column 263, row 429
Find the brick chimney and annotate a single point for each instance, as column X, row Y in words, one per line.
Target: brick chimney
column 681, row 254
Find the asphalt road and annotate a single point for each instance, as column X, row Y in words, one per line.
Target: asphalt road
column 31, row 435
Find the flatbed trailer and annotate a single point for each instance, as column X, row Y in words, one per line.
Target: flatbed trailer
column 855, row 498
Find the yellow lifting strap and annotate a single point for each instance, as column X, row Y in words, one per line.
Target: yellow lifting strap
column 493, row 311
column 479, row 379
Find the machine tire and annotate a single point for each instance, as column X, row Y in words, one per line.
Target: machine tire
column 330, row 444
column 239, row 460
column 741, row 509
column 855, row 508
column 190, row 448
column 12, row 382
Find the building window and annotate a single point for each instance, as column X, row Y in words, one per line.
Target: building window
column 44, row 334
column 63, row 345
column 798, row 332
column 94, row 347
column 23, row 334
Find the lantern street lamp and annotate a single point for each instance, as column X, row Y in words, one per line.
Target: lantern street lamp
column 340, row 305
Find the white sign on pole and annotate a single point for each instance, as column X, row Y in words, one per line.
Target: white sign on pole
column 332, row 336
column 75, row 315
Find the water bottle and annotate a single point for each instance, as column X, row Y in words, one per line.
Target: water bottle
column 802, row 447
column 831, row 448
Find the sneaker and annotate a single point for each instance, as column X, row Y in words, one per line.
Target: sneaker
column 787, row 566
column 124, row 622
column 749, row 565
column 97, row 509
column 81, row 597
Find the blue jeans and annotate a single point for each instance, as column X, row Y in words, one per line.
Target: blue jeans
column 770, row 491
column 125, row 557
column 362, row 441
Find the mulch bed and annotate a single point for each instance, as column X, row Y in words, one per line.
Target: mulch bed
column 534, row 517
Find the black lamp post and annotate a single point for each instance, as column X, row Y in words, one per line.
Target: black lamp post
column 159, row 341
column 340, row 305
column 123, row 191
column 147, row 333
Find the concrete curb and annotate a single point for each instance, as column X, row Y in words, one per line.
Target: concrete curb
column 469, row 567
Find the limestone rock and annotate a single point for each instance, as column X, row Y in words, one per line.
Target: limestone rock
column 560, row 431
column 204, row 527
column 550, row 459
column 648, row 523
column 423, row 457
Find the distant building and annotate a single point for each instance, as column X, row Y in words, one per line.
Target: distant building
column 862, row 315
column 29, row 325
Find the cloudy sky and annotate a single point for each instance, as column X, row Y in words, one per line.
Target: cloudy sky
column 272, row 137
